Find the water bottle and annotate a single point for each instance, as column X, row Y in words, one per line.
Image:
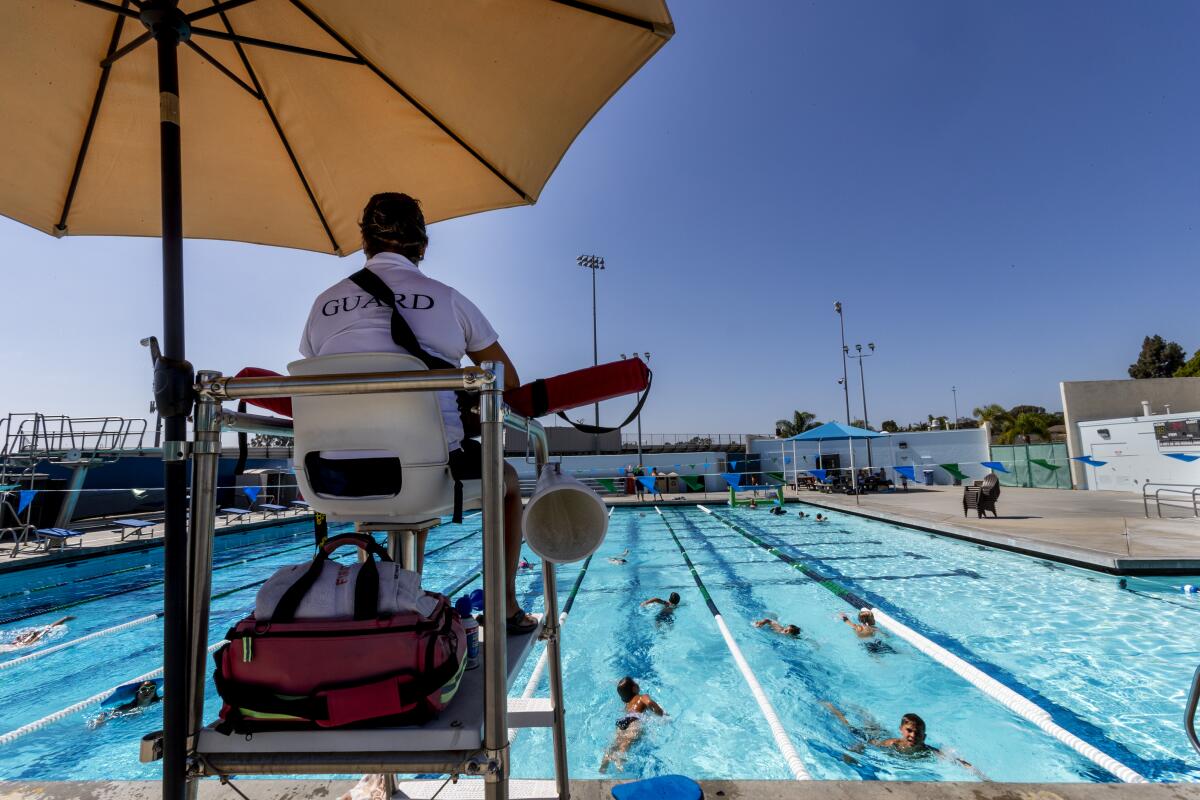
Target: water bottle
column 471, row 627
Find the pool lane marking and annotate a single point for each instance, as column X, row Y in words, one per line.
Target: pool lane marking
column 786, row 748
column 540, row 667
column 38, row 724
column 1005, row 696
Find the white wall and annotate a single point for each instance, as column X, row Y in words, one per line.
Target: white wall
column 922, row 450
column 1132, row 454
column 613, row 466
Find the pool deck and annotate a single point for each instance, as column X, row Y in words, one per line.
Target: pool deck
column 100, row 539
column 600, row 790
column 1085, row 528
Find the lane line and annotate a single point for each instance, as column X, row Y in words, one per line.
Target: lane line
column 786, row 748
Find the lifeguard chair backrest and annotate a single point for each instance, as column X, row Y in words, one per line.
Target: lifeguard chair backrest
column 371, row 457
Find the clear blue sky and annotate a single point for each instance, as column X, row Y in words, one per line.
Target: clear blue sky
column 1003, row 195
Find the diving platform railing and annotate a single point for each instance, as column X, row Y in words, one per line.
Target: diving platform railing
column 470, row 737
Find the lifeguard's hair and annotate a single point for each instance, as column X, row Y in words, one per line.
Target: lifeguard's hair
column 393, row 222
column 627, row 689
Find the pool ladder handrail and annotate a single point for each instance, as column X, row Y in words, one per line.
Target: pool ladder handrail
column 491, row 759
column 1189, row 489
column 1189, row 712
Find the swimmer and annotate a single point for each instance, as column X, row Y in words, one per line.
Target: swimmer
column 778, row 511
column 525, row 564
column 910, row 742
column 820, row 518
column 145, row 696
column 666, row 614
column 31, row 637
column 753, row 503
column 865, row 627
column 785, row 630
column 802, row 514
column 629, row 725
column 619, row 558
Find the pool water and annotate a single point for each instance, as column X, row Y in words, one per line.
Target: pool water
column 1111, row 663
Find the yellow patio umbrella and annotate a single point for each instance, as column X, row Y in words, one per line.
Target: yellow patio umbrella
column 272, row 121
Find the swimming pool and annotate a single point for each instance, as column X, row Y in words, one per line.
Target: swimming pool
column 1109, row 664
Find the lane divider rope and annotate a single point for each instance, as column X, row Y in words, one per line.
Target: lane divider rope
column 782, row 741
column 994, row 689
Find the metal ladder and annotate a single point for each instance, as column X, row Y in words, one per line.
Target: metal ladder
column 1189, row 712
column 470, row 737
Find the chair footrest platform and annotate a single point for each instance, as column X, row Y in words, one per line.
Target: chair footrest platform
column 472, row 789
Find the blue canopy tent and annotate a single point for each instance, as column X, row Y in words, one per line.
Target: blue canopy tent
column 834, row 431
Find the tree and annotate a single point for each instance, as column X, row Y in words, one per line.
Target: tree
column 800, row 422
column 1025, row 426
column 1158, row 359
column 890, row 426
column 995, row 414
column 1191, row 369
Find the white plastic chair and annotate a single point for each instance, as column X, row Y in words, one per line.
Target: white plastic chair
column 396, row 444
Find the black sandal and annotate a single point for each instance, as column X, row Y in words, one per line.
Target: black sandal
column 520, row 623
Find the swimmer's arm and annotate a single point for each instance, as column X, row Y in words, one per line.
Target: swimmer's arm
column 653, row 601
column 857, row 628
column 653, row 706
column 838, row 714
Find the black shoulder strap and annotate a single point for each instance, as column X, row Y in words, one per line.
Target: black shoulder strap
column 402, row 333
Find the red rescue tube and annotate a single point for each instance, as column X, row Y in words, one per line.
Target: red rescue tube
column 536, row 399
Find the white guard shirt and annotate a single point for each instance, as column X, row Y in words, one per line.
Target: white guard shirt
column 346, row 319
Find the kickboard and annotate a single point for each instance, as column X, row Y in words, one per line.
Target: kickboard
column 664, row 787
column 125, row 693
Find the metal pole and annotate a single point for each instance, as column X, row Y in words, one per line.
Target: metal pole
column 495, row 638
column 206, row 454
column 866, row 420
column 954, row 391
column 595, row 353
column 167, row 24
column 845, row 375
column 553, row 632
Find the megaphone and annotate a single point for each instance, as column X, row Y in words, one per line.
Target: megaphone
column 564, row 520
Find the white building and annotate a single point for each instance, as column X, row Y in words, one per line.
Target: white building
column 1139, row 450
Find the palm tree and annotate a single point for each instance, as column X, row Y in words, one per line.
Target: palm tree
column 800, row 422
column 994, row 413
column 1024, row 426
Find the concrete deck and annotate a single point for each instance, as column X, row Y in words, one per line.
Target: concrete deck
column 100, row 539
column 600, row 790
column 1086, row 528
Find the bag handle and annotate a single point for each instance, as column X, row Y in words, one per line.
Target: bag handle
column 596, row 430
column 366, row 587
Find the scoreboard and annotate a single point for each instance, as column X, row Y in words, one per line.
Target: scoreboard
column 1177, row 433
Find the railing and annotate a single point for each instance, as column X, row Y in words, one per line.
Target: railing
column 34, row 436
column 1188, row 490
column 630, row 439
column 1189, row 713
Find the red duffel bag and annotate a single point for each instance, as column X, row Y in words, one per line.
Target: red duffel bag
column 375, row 669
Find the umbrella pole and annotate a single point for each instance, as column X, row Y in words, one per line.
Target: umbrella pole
column 853, row 473
column 167, row 24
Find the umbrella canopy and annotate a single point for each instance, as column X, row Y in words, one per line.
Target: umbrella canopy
column 317, row 105
column 836, row 430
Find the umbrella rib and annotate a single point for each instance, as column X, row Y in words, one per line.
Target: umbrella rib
column 262, row 96
column 117, row 55
column 337, row 37
column 270, row 45
column 224, row 70
column 216, row 9
column 61, row 228
column 124, row 10
column 654, row 27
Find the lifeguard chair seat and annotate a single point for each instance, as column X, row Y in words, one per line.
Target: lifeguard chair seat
column 378, row 460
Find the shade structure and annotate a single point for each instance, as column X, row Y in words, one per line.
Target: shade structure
column 467, row 106
column 836, row 430
column 271, row 122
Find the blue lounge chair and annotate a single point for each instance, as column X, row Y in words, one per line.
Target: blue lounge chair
column 301, row 504
column 134, row 527
column 60, row 536
column 236, row 513
column 274, row 509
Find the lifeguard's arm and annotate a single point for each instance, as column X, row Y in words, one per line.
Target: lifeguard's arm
column 494, row 352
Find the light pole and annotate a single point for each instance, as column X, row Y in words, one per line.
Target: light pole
column 863, row 382
column 845, row 376
column 646, row 355
column 593, row 263
column 954, row 391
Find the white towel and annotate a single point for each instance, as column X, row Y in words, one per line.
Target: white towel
column 332, row 595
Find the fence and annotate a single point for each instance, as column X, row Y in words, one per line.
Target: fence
column 1037, row 466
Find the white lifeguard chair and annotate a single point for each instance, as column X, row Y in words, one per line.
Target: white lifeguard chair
column 377, row 460
column 370, row 448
